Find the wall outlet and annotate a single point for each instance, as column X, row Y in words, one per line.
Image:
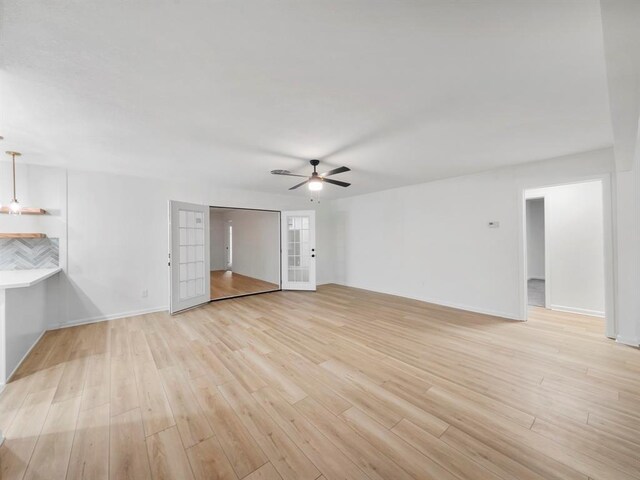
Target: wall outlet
column 145, row 293
column 494, row 224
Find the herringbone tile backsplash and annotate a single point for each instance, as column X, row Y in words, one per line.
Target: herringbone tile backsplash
column 29, row 253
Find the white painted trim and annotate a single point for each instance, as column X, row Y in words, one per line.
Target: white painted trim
column 630, row 341
column 581, row 311
column 114, row 316
column 24, row 357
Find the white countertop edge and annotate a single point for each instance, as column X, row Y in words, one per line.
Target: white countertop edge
column 25, row 278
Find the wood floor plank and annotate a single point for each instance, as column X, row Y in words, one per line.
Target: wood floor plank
column 72, row 381
column 167, row 456
column 156, row 412
column 283, row 453
column 90, row 452
column 414, row 462
column 440, row 452
column 191, row 421
column 328, row 458
column 209, row 462
column 127, row 448
column 266, row 472
column 241, row 449
column 51, row 455
column 22, row 436
column 123, row 391
column 370, row 460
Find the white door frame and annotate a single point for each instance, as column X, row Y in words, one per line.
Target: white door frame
column 611, row 327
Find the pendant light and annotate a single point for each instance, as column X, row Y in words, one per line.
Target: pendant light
column 14, row 206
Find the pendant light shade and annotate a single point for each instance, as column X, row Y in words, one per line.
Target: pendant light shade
column 14, row 205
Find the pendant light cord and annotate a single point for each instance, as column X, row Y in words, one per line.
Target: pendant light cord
column 14, row 176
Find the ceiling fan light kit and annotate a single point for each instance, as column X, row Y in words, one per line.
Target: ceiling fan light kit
column 316, row 181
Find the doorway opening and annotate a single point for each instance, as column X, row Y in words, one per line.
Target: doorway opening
column 229, row 246
column 245, row 252
column 536, row 271
column 566, row 266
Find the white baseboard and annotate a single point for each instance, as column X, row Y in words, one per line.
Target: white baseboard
column 435, row 301
column 632, row 342
column 581, row 311
column 103, row 318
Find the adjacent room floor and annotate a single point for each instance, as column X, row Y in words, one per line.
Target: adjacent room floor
column 536, row 292
column 225, row 283
column 343, row 383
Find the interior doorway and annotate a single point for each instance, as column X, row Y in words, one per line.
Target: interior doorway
column 245, row 251
column 565, row 249
column 536, row 271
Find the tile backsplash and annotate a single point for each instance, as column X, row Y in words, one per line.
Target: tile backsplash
column 29, row 253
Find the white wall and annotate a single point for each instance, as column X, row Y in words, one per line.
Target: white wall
column 432, row 242
column 535, row 239
column 256, row 244
column 217, row 235
column 575, row 248
column 117, row 239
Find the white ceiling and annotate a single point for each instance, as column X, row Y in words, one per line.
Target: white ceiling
column 400, row 91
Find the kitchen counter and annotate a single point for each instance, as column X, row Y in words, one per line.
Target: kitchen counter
column 25, row 278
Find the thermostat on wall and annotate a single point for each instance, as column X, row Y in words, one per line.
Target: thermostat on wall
column 494, row 224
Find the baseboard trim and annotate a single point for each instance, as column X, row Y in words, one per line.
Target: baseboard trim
column 581, row 311
column 457, row 306
column 630, row 341
column 104, row 318
column 22, row 360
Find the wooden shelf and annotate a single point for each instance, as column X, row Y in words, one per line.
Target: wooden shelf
column 22, row 235
column 26, row 211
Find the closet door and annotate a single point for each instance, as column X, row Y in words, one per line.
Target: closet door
column 188, row 255
column 299, row 250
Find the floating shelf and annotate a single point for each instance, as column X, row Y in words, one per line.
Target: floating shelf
column 22, row 235
column 26, row 211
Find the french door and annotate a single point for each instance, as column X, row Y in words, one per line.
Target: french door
column 188, row 255
column 299, row 250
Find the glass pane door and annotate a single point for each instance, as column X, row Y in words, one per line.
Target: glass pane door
column 298, row 252
column 189, row 255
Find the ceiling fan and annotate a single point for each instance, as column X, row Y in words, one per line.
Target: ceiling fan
column 316, row 180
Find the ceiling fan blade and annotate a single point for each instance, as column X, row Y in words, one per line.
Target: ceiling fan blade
column 336, row 170
column 287, row 173
column 336, row 182
column 299, row 185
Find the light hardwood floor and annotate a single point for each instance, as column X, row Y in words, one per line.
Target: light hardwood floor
column 341, row 383
column 229, row 284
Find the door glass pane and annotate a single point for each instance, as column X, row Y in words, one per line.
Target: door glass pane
column 191, row 270
column 299, row 248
